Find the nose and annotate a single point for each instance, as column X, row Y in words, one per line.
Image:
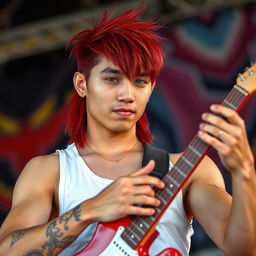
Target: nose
column 125, row 92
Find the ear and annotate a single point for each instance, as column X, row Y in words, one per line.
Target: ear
column 80, row 84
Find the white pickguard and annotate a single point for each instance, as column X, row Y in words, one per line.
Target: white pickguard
column 118, row 247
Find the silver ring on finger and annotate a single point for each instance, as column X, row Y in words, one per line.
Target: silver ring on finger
column 220, row 134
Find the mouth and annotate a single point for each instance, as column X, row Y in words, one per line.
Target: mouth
column 124, row 112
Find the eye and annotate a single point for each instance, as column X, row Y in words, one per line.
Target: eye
column 111, row 79
column 140, row 82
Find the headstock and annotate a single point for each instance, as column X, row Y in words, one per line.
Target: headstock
column 247, row 80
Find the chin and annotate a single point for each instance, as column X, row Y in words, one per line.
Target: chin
column 122, row 128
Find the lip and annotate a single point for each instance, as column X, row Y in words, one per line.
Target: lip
column 124, row 111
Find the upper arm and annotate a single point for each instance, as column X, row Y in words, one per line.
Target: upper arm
column 33, row 195
column 208, row 200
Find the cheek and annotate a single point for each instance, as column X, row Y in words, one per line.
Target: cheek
column 143, row 99
column 99, row 102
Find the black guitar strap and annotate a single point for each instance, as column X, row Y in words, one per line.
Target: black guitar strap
column 161, row 158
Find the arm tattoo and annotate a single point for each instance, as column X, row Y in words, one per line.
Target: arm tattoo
column 56, row 236
column 56, row 239
column 75, row 213
column 18, row 235
column 34, row 253
column 55, row 233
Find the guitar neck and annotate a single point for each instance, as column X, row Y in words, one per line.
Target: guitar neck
column 179, row 174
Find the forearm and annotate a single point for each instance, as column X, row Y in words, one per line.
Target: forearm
column 47, row 239
column 240, row 236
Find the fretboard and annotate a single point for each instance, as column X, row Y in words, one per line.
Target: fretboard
column 178, row 175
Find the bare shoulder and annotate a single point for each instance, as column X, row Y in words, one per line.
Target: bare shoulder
column 33, row 194
column 41, row 172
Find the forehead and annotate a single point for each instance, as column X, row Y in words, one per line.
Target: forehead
column 105, row 66
column 104, row 63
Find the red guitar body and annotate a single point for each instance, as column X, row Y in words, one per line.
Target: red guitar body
column 103, row 238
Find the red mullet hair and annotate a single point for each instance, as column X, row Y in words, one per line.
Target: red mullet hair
column 129, row 44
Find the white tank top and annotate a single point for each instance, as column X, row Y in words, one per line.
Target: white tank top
column 78, row 183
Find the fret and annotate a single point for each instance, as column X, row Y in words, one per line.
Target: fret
column 179, row 171
column 182, row 165
column 143, row 221
column 133, row 236
column 162, row 199
column 199, row 145
column 158, row 210
column 169, row 192
column 144, row 224
column 235, row 97
column 241, row 90
column 152, row 218
column 137, row 228
column 128, row 240
column 195, row 151
column 230, row 104
column 187, row 161
column 173, row 180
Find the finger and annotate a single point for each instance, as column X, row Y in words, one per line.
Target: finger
column 141, row 211
column 218, row 122
column 218, row 133
column 214, row 142
column 146, row 169
column 142, row 176
column 147, row 180
column 234, row 130
column 230, row 114
column 146, row 200
column 145, row 190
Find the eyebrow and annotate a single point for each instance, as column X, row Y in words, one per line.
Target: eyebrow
column 117, row 71
column 111, row 70
column 143, row 74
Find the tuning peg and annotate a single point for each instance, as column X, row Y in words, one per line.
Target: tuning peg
column 241, row 77
column 251, row 73
column 252, row 62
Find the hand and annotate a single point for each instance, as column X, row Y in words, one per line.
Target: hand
column 124, row 196
column 229, row 138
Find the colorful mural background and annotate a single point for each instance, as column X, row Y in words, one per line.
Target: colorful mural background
column 203, row 57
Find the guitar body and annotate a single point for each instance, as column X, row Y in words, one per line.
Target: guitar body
column 107, row 241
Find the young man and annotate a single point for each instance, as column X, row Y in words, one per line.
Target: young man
column 59, row 198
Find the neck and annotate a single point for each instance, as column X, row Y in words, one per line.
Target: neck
column 112, row 143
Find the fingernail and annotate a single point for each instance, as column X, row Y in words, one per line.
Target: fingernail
column 213, row 107
column 152, row 211
column 201, row 133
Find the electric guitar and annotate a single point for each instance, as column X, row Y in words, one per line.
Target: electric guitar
column 133, row 235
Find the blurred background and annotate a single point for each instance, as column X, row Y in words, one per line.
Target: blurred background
column 208, row 42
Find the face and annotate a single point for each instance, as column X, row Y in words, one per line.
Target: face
column 113, row 101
